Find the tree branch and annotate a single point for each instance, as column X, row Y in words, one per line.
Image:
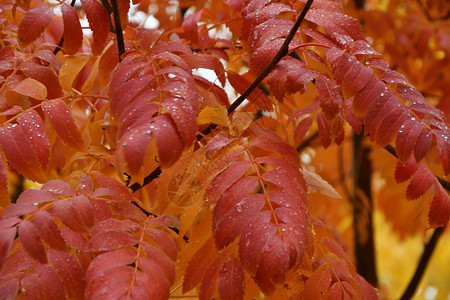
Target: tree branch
column 118, row 28
column 423, row 262
column 362, row 203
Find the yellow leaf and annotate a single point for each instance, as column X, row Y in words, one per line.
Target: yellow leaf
column 70, row 70
column 217, row 115
column 31, row 88
column 316, row 183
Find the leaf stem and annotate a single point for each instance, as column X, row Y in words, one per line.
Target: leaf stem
column 280, row 54
column 423, row 263
column 118, row 28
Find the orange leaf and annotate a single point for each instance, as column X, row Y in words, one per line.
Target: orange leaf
column 70, row 70
column 58, row 113
column 31, row 88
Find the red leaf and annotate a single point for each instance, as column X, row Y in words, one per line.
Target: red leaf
column 33, row 286
column 392, row 76
column 208, row 62
column 98, row 19
column 156, row 275
column 231, row 281
column 164, row 242
column 404, row 171
column 423, row 144
column 43, row 274
column 184, row 117
column 420, row 183
column 391, row 125
column 301, row 129
column 354, row 121
column 70, row 271
column 112, row 240
column 108, row 261
column 33, row 127
column 73, row 35
column 31, row 241
column 316, row 287
column 36, row 196
column 229, row 224
column 385, row 103
column 349, row 72
column 34, row 23
column 225, row 179
column 124, row 94
column 324, row 130
column 48, row 230
column 407, row 138
column 60, row 117
column 17, row 210
column 122, row 193
column 20, row 153
column 58, row 187
column 6, row 238
column 439, row 212
column 44, row 75
column 84, row 208
column 443, row 145
column 363, row 100
column 289, row 76
column 167, row 139
column 68, row 215
column 240, row 84
column 269, row 141
column 162, row 260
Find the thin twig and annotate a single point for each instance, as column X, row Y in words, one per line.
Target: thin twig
column 423, row 263
column 445, row 184
column 118, row 28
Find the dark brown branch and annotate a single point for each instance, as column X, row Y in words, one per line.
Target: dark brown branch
column 423, row 263
column 359, row 4
column 445, row 184
column 362, row 203
column 61, row 41
column 118, row 28
column 280, row 54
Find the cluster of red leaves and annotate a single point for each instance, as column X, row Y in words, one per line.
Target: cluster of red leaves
column 239, row 193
